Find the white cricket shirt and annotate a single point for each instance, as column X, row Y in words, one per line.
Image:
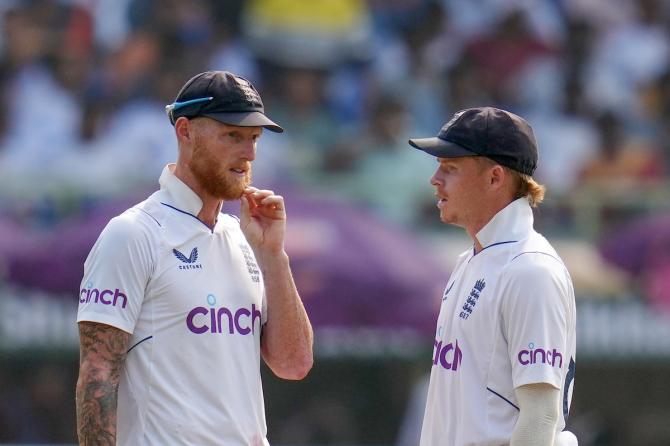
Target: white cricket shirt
column 193, row 299
column 507, row 319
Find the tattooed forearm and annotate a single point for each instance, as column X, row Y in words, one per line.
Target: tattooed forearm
column 102, row 354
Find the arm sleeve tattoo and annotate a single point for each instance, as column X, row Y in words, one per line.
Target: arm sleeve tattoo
column 102, row 352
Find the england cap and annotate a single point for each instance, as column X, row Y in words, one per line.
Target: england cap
column 485, row 131
column 223, row 96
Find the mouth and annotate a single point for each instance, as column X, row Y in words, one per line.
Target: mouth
column 238, row 171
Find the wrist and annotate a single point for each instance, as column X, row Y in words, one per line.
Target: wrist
column 272, row 258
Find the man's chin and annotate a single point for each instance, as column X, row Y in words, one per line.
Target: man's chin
column 231, row 194
column 226, row 188
column 233, row 191
column 448, row 219
column 234, row 196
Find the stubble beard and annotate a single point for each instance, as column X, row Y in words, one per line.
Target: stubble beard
column 215, row 179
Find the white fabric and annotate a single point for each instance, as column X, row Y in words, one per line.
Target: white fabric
column 507, row 319
column 538, row 415
column 566, row 438
column 193, row 299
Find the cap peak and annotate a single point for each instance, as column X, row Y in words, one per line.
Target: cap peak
column 223, row 96
column 486, row 131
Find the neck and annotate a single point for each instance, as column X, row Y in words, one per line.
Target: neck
column 482, row 220
column 211, row 206
column 472, row 232
column 209, row 211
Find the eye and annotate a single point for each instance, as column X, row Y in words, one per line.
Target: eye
column 447, row 167
column 235, row 136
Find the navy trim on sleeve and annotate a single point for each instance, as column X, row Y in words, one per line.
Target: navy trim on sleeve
column 139, row 342
column 506, row 400
column 569, row 377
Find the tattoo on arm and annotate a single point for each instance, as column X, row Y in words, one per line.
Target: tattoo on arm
column 102, row 355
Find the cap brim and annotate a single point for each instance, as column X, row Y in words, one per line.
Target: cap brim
column 246, row 119
column 440, row 148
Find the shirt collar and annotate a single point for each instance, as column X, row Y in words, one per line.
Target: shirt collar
column 182, row 196
column 511, row 223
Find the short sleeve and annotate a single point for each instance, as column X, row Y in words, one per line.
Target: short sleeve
column 116, row 273
column 536, row 290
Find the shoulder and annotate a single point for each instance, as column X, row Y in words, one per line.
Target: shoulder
column 231, row 226
column 536, row 266
column 533, row 268
column 139, row 224
column 150, row 212
column 230, row 222
column 463, row 257
column 230, row 219
column 534, row 254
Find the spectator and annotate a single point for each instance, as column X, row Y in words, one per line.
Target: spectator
column 620, row 162
column 373, row 178
column 627, row 55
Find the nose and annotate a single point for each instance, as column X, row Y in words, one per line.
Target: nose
column 434, row 180
column 249, row 150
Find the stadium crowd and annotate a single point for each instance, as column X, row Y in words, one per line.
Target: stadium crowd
column 84, row 83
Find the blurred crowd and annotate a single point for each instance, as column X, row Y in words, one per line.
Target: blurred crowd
column 84, row 83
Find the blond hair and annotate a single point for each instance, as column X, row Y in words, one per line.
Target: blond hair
column 524, row 185
column 527, row 187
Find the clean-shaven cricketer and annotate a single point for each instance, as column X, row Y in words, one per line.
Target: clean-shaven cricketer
column 179, row 301
column 504, row 354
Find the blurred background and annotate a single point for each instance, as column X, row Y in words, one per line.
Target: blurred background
column 83, row 136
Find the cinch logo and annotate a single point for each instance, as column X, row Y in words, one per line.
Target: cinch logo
column 449, row 356
column 537, row 355
column 105, row 297
column 222, row 320
column 190, row 260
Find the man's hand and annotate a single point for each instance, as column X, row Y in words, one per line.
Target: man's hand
column 263, row 221
column 287, row 338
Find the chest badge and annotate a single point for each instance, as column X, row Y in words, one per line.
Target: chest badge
column 473, row 297
column 190, row 260
column 252, row 266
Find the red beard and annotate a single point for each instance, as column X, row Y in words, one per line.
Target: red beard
column 217, row 180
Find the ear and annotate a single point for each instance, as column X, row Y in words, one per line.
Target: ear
column 183, row 129
column 497, row 176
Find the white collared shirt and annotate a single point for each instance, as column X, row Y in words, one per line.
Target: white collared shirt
column 507, row 319
column 193, row 299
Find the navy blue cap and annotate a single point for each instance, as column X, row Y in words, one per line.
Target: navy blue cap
column 223, row 96
column 497, row 134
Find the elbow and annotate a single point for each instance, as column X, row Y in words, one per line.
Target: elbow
column 302, row 370
column 295, row 370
